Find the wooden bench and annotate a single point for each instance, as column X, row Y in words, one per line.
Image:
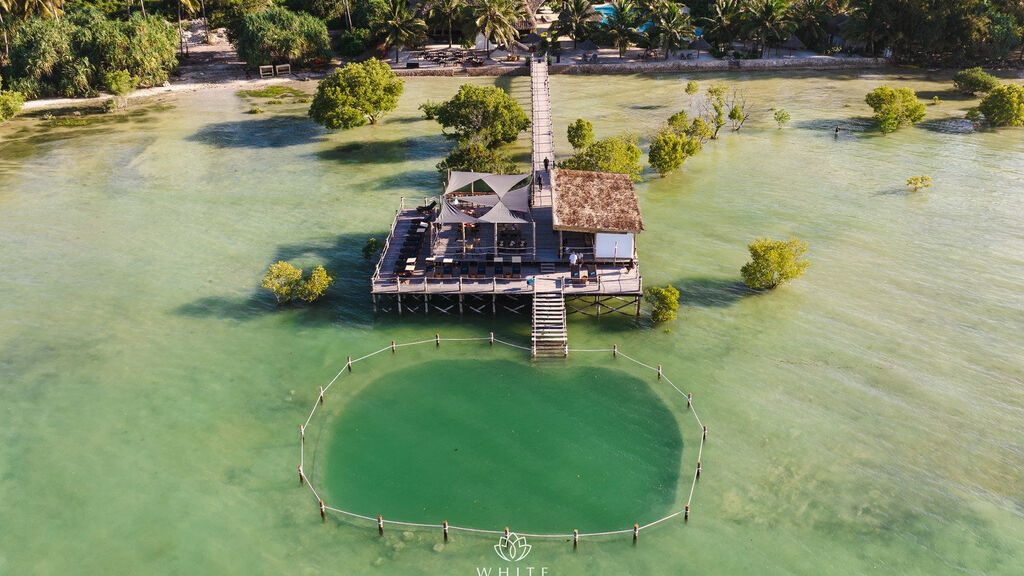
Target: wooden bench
column 282, row 69
column 266, row 71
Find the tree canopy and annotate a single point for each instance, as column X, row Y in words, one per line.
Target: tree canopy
column 484, row 114
column 665, row 303
column 475, row 157
column 1004, row 105
column 360, row 92
column 774, row 262
column 277, row 35
column 620, row 154
column 895, row 107
column 974, row 80
column 581, row 134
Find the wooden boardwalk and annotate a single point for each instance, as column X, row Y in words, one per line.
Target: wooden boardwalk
column 442, row 275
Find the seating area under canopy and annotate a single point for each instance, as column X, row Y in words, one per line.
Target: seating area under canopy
column 484, row 215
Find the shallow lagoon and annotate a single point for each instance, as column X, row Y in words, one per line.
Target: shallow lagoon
column 865, row 418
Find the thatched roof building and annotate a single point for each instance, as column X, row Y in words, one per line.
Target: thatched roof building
column 595, row 202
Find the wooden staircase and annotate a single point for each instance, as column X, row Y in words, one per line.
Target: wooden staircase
column 550, row 338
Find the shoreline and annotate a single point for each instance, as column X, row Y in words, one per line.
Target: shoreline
column 823, row 63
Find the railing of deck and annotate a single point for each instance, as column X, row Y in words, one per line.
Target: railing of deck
column 387, row 242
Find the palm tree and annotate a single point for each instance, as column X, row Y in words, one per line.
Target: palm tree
column 724, row 19
column 448, row 12
column 5, row 6
column 496, row 19
column 674, row 27
column 402, row 27
column 621, row 25
column 810, row 18
column 771, row 20
column 190, row 7
column 574, row 18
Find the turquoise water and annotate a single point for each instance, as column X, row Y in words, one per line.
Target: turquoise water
column 864, row 419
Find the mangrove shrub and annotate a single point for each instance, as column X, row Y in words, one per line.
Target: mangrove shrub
column 286, row 282
column 360, row 92
column 664, row 301
column 475, row 157
column 774, row 262
column 620, row 154
column 974, row 81
column 1004, row 105
column 581, row 134
column 894, row 107
column 480, row 113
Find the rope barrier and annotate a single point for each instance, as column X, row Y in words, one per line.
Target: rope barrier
column 574, row 536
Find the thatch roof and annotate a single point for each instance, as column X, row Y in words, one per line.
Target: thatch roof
column 793, row 43
column 700, row 44
column 595, row 202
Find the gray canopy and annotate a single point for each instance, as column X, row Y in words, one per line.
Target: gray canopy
column 451, row 215
column 500, row 214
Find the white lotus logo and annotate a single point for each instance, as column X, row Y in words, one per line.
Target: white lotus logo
column 512, row 548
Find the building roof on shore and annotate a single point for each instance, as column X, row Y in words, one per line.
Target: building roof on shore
column 595, row 202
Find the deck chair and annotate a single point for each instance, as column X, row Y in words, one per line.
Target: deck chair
column 517, row 270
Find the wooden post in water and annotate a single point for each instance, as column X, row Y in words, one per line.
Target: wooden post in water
column 659, row 371
column 689, row 400
column 437, row 339
column 615, row 350
column 321, row 394
column 302, row 476
column 349, row 365
column 636, row 532
column 380, row 524
column 575, row 538
column 393, row 347
column 323, row 511
column 686, row 513
column 698, row 469
column 492, row 338
column 445, row 525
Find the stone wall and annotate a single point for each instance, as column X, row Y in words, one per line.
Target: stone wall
column 816, row 63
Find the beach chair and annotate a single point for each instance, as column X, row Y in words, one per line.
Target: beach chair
column 463, row 269
column 446, row 271
column 266, row 71
column 517, row 270
column 574, row 276
column 499, row 270
column 282, row 69
column 481, row 271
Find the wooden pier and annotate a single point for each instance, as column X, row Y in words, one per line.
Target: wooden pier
column 518, row 243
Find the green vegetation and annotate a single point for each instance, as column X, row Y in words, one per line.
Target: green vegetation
column 120, row 83
column 496, row 20
column 692, row 87
column 485, row 114
column 575, row 20
column 10, row 103
column 894, row 107
column 372, row 248
column 277, row 35
column 356, row 94
column 619, row 154
column 781, row 117
column 665, row 303
column 256, row 110
column 716, row 99
column 936, row 100
column 353, row 42
column 286, row 282
column 974, row 81
column 402, row 28
column 581, row 134
column 1004, row 105
column 72, row 56
column 271, row 92
column 774, row 262
column 676, row 141
column 475, row 157
column 918, row 183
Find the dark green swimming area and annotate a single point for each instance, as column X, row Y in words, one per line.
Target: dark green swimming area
column 490, row 443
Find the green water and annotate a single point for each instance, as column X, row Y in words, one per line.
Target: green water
column 865, row 419
column 463, row 440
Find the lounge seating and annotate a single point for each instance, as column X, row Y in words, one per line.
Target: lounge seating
column 428, row 208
